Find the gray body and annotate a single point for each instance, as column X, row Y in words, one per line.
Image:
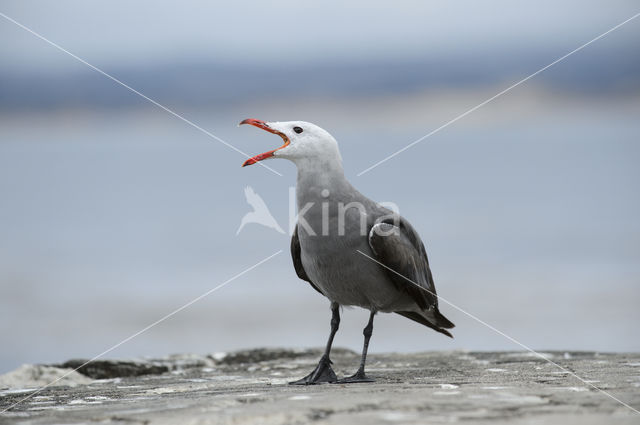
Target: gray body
column 335, row 265
column 332, row 261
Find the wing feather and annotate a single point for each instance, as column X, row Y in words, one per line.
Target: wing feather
column 297, row 261
column 400, row 249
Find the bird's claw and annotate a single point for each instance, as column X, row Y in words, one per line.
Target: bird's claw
column 358, row 377
column 323, row 373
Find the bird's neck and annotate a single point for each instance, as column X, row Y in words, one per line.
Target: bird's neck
column 316, row 175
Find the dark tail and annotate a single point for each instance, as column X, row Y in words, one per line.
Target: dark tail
column 441, row 321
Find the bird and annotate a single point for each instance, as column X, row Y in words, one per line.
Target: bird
column 260, row 213
column 349, row 248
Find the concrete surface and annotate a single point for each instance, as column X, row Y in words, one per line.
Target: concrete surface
column 250, row 387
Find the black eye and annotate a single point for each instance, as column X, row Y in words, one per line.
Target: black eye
column 297, row 129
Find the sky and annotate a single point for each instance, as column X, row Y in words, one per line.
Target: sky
column 287, row 32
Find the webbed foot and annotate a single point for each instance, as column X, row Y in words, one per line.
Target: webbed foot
column 358, row 377
column 323, row 373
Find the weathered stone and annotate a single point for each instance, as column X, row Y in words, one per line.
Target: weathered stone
column 34, row 376
column 436, row 387
column 265, row 354
column 106, row 369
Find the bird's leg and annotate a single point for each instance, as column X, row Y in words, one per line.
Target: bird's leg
column 360, row 376
column 323, row 372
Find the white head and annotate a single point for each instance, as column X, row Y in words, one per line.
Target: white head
column 304, row 143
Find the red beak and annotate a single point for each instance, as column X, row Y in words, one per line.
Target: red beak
column 263, row 125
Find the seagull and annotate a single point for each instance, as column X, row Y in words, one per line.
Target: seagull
column 349, row 248
column 260, row 213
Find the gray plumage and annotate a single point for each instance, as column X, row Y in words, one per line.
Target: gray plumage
column 334, row 265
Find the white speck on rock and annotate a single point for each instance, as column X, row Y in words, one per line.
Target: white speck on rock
column 449, row 386
column 219, row 356
column 446, row 392
column 495, row 369
column 396, row 416
column 576, row 389
column 161, row 391
column 537, row 354
column 300, row 397
column 520, row 399
column 17, row 391
column 108, row 381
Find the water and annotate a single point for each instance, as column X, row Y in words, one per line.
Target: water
column 110, row 220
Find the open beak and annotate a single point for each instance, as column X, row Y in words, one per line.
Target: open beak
column 263, row 125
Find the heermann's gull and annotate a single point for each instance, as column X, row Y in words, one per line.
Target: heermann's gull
column 337, row 229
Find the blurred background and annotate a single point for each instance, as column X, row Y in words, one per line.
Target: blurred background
column 113, row 212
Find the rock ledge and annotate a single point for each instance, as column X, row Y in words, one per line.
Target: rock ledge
column 251, row 387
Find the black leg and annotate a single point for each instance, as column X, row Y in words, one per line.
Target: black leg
column 360, row 376
column 323, row 372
